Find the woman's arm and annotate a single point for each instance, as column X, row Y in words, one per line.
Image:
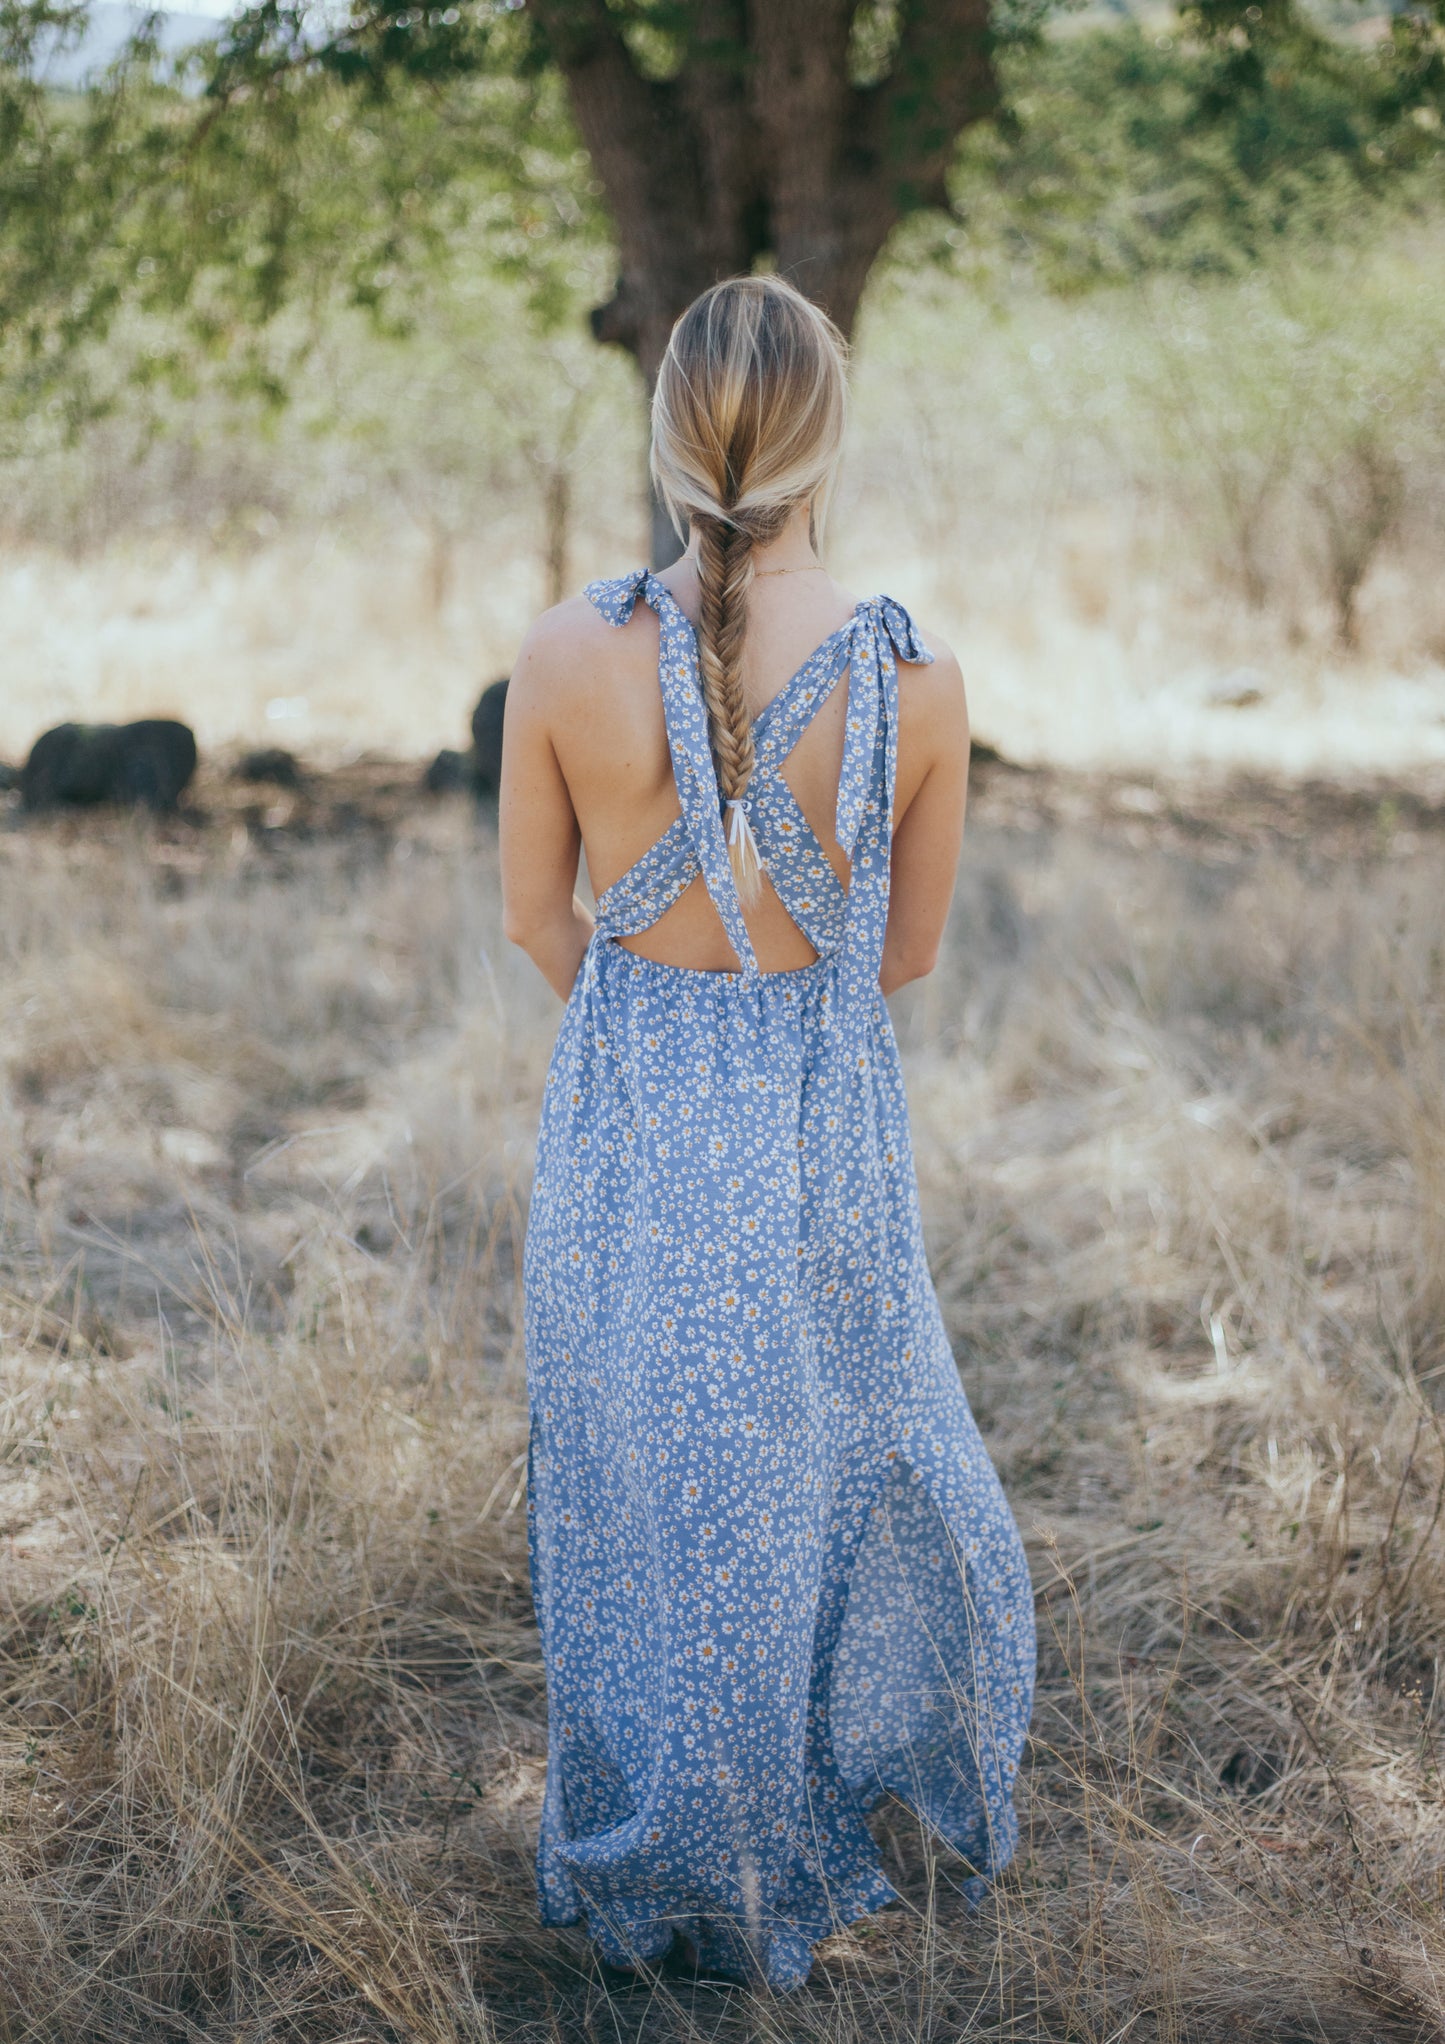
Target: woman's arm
column 927, row 838
column 540, row 840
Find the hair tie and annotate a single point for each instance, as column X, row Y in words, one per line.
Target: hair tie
column 740, row 834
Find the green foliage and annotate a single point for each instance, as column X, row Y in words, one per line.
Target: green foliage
column 204, row 205
column 1280, row 432
column 1200, row 150
column 490, row 419
column 488, row 424
column 179, row 227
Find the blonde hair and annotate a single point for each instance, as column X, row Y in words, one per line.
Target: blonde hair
column 747, row 424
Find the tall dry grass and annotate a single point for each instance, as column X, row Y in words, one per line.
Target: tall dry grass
column 273, row 1720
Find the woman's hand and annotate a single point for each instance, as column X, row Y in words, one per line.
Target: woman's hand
column 556, row 948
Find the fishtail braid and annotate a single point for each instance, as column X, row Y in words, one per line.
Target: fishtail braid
column 725, row 570
column 747, row 420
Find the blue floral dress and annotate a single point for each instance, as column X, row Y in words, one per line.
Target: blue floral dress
column 775, row 1572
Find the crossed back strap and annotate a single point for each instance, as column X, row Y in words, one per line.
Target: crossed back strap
column 848, row 926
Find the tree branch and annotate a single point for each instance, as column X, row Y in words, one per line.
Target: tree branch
column 942, row 80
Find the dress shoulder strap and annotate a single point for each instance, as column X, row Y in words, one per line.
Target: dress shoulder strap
column 883, row 634
column 615, row 596
column 687, row 738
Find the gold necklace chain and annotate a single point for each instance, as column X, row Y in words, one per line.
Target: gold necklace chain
column 809, row 568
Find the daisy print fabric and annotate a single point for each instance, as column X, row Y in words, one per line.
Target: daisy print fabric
column 774, row 1569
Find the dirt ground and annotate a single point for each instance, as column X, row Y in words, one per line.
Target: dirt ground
column 1233, row 816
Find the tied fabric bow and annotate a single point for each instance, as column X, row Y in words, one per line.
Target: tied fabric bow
column 740, row 833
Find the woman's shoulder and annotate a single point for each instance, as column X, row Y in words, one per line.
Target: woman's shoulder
column 577, row 646
column 932, row 699
column 932, row 665
column 942, row 666
column 916, row 648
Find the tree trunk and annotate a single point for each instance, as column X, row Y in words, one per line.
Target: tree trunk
column 665, row 543
column 557, row 523
column 760, row 147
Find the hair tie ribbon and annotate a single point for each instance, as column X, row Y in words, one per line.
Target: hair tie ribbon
column 740, row 832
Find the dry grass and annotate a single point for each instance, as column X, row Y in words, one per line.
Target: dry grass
column 1081, row 645
column 272, row 1724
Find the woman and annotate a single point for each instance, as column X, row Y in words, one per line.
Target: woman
column 774, row 1570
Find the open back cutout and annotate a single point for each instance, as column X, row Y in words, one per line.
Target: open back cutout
column 690, row 933
column 810, row 892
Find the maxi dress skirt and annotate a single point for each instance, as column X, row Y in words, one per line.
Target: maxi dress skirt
column 774, row 1569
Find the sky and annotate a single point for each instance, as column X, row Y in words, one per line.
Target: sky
column 111, row 23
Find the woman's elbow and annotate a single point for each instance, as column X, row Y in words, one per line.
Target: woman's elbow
column 906, row 963
column 519, row 926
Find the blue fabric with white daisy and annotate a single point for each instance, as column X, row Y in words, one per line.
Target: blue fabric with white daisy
column 774, row 1569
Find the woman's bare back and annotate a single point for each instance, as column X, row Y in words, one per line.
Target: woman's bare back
column 604, row 718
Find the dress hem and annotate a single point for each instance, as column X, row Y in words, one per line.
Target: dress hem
column 869, row 1891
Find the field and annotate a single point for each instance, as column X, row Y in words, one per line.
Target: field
column 300, row 424
column 273, row 1719
column 1127, row 512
